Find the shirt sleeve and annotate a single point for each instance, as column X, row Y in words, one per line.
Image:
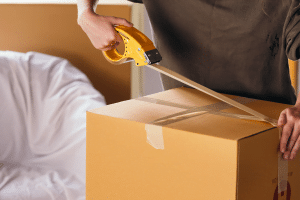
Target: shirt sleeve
column 292, row 31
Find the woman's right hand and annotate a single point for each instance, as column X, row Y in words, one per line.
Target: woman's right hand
column 100, row 29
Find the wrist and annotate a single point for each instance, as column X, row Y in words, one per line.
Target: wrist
column 87, row 13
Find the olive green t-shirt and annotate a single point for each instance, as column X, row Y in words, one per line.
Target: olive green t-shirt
column 238, row 47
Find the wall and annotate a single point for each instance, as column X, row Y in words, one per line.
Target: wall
column 53, row 29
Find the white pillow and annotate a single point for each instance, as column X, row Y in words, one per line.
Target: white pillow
column 43, row 104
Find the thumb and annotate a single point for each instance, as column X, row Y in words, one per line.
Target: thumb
column 282, row 119
column 120, row 21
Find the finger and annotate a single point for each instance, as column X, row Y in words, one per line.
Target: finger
column 110, row 47
column 119, row 21
column 286, row 133
column 115, row 45
column 286, row 154
column 98, row 43
column 282, row 119
column 294, row 137
column 295, row 149
column 105, row 49
column 118, row 38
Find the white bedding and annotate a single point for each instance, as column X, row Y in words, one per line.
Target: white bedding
column 43, row 103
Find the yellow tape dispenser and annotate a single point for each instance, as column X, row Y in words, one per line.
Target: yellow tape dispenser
column 137, row 46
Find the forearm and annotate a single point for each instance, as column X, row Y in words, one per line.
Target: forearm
column 83, row 5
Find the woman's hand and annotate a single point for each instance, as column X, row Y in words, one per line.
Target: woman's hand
column 100, row 29
column 289, row 120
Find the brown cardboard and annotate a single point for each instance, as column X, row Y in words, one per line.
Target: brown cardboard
column 204, row 157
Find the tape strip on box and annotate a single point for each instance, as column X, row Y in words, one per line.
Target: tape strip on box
column 154, row 128
column 283, row 170
column 155, row 136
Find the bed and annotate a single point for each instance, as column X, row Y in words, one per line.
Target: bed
column 42, row 123
column 50, row 74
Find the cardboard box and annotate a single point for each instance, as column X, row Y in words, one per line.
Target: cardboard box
column 196, row 150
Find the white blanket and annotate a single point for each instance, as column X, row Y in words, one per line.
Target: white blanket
column 43, row 104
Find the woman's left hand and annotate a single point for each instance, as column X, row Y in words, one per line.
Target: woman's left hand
column 289, row 120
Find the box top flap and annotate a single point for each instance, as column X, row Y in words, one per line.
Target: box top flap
column 193, row 111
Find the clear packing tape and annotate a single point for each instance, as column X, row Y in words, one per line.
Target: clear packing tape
column 155, row 132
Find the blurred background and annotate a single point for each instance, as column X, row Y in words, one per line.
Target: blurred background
column 50, row 27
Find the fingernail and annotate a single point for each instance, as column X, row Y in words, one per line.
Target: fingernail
column 282, row 150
